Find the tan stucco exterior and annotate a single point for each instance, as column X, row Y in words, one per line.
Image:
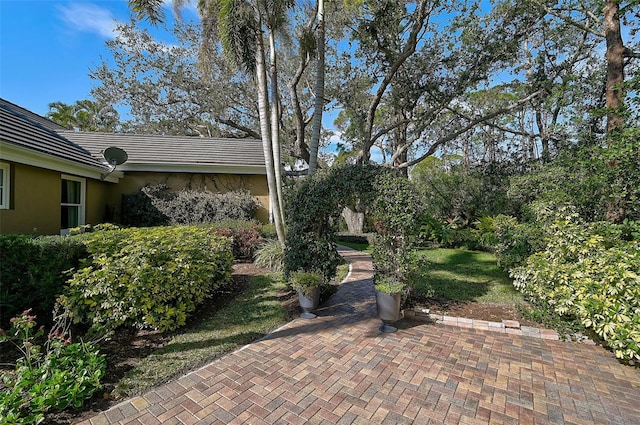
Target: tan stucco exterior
column 133, row 181
column 36, row 192
column 34, row 207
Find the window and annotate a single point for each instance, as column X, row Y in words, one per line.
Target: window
column 72, row 202
column 4, row 186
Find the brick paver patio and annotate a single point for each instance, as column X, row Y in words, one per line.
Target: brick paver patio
column 340, row 369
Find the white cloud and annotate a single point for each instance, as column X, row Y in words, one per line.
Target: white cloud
column 88, row 17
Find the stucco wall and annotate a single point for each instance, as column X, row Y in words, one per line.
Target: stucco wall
column 132, row 182
column 35, row 201
column 35, row 196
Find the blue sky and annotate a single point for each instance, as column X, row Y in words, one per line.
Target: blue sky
column 48, row 46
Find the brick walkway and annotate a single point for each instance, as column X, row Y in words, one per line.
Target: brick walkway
column 340, row 369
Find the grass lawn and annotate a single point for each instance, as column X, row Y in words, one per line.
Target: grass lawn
column 467, row 276
column 359, row 246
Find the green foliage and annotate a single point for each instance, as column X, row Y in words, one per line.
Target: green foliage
column 270, row 255
column 603, row 183
column 460, row 194
column 516, row 241
column 590, row 271
column 314, row 210
column 388, row 285
column 147, row 277
column 435, row 231
column 59, row 375
column 156, row 205
column 32, row 272
column 303, row 281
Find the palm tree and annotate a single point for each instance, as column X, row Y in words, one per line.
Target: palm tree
column 239, row 25
column 62, row 114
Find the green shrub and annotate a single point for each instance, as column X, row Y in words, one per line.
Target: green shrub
column 434, row 231
column 516, row 241
column 268, row 231
column 270, row 255
column 147, row 277
column 588, row 271
column 32, row 273
column 303, row 281
column 59, row 375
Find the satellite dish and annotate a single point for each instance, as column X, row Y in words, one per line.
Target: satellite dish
column 115, row 156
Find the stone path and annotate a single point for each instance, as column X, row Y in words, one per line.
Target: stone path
column 340, row 369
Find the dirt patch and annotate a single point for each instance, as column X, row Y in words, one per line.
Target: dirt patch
column 470, row 310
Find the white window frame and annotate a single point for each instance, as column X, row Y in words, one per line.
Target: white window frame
column 5, row 183
column 81, row 206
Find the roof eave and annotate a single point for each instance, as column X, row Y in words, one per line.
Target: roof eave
column 163, row 167
column 23, row 155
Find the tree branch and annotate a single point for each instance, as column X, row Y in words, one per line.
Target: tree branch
column 409, row 49
column 463, row 130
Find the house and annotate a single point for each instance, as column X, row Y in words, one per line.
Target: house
column 53, row 178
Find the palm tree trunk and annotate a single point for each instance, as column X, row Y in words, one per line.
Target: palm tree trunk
column 319, row 101
column 265, row 131
column 275, row 120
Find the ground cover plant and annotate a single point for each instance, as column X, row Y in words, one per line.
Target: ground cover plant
column 51, row 373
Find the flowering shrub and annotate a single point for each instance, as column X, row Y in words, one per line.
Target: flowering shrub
column 50, row 377
column 590, row 271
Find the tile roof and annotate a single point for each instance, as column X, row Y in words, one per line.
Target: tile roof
column 45, row 122
column 20, row 129
column 182, row 150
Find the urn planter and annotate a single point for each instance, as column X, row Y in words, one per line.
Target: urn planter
column 309, row 300
column 388, row 309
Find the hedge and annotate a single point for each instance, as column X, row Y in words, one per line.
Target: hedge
column 32, row 273
column 147, row 277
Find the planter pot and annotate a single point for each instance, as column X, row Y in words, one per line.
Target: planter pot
column 388, row 309
column 309, row 301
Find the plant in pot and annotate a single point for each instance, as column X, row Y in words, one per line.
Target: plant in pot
column 308, row 286
column 388, row 300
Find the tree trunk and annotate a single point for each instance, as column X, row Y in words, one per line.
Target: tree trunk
column 615, row 64
column 354, row 220
column 319, row 100
column 275, row 119
column 265, row 131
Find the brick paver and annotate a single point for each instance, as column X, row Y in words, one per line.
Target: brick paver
column 340, row 369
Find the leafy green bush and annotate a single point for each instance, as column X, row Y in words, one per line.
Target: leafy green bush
column 516, row 241
column 303, row 281
column 589, row 271
column 147, row 277
column 32, row 273
column 270, row 255
column 62, row 374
